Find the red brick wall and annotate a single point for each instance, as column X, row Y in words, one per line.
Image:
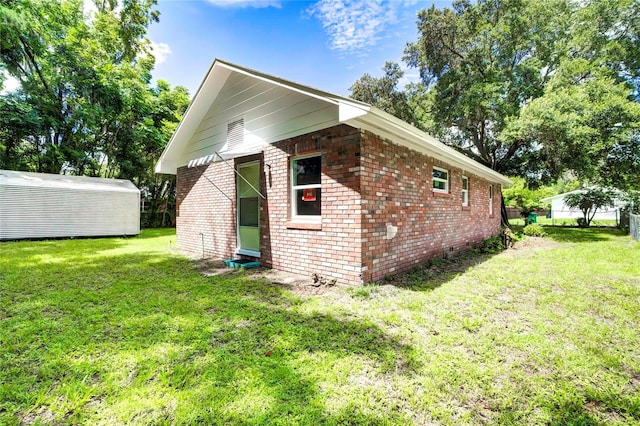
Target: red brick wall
column 367, row 184
column 204, row 213
column 334, row 251
column 396, row 190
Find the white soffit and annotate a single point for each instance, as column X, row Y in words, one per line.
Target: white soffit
column 355, row 113
column 200, row 104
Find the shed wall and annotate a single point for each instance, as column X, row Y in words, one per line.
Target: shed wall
column 45, row 212
column 559, row 210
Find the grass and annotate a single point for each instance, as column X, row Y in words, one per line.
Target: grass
column 123, row 331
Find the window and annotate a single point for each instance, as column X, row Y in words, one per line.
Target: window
column 440, row 180
column 491, row 200
column 465, row 191
column 306, row 192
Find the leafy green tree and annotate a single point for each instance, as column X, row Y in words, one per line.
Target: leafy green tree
column 383, row 92
column 85, row 104
column 589, row 202
column 632, row 201
column 586, row 119
column 520, row 195
column 533, row 89
column 480, row 63
column 80, row 73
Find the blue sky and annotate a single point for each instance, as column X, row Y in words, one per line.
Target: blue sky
column 326, row 44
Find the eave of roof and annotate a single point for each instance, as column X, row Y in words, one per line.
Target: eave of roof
column 350, row 111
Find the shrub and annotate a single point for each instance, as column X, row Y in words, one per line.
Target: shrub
column 534, row 230
column 492, row 245
column 582, row 222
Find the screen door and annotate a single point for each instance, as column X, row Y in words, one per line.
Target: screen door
column 248, row 209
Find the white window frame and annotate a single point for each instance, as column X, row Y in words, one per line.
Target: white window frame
column 294, row 189
column 490, row 200
column 465, row 192
column 436, row 179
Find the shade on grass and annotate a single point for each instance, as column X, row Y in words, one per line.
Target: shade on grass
column 124, row 331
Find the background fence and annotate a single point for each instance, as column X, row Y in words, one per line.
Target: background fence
column 634, row 228
column 567, row 217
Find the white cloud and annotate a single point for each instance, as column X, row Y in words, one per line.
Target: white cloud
column 247, row 3
column 354, row 25
column 160, row 51
column 9, row 85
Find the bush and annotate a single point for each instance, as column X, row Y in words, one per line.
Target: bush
column 492, row 245
column 534, row 230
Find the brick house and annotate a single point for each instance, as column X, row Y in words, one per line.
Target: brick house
column 307, row 182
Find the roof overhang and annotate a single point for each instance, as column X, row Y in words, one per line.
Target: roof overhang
column 352, row 112
column 398, row 131
column 208, row 90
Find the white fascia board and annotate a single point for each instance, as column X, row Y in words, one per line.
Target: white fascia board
column 420, row 141
column 554, row 197
column 348, row 111
column 193, row 116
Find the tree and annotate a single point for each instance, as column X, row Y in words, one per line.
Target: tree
column 79, row 72
column 533, row 89
column 480, row 63
column 524, row 198
column 85, row 104
column 383, row 92
column 589, row 202
column 588, row 119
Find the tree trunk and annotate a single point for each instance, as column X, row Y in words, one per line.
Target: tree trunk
column 503, row 214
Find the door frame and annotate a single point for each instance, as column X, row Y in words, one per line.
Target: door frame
column 239, row 249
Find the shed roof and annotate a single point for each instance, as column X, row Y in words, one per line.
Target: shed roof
column 47, row 180
column 352, row 112
column 555, row 197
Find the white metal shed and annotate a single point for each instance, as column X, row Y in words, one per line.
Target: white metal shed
column 39, row 205
column 559, row 210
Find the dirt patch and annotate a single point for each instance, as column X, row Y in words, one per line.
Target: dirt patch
column 43, row 416
column 299, row 284
column 534, row 243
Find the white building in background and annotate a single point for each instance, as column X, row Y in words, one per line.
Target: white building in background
column 559, row 210
column 39, row 205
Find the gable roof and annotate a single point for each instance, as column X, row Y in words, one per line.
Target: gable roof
column 349, row 111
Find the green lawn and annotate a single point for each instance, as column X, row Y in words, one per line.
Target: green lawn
column 124, row 331
column 541, row 220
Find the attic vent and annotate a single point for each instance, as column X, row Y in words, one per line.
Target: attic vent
column 235, row 133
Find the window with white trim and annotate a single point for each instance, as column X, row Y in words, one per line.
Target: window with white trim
column 465, row 191
column 306, row 191
column 440, row 180
column 490, row 200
